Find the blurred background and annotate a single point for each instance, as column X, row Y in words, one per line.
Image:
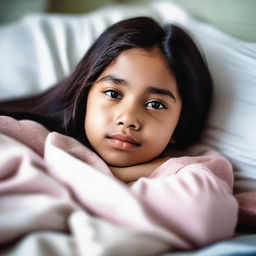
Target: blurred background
column 236, row 17
column 11, row 10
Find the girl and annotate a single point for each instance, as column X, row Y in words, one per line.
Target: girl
column 140, row 92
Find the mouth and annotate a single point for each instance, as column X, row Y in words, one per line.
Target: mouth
column 123, row 142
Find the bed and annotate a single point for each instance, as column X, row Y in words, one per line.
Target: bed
column 41, row 49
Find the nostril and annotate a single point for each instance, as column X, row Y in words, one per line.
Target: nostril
column 126, row 124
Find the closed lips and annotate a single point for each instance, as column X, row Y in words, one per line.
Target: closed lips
column 124, row 138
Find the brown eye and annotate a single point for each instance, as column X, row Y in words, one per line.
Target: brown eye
column 113, row 94
column 156, row 105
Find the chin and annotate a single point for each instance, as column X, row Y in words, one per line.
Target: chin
column 117, row 162
column 122, row 159
column 125, row 162
column 122, row 165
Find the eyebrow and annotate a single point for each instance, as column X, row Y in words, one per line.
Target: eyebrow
column 156, row 90
column 114, row 79
column 151, row 89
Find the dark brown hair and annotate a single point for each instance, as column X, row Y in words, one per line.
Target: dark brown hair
column 62, row 108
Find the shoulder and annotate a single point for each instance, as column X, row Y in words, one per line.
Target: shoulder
column 28, row 132
column 8, row 123
column 198, row 158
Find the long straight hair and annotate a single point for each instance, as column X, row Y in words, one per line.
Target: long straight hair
column 62, row 108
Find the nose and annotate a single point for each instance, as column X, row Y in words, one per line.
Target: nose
column 128, row 119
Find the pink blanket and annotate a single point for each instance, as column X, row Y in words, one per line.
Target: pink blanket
column 53, row 189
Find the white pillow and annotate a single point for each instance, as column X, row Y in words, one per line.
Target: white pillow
column 39, row 50
column 232, row 124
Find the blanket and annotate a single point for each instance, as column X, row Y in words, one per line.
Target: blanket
column 59, row 198
column 49, row 212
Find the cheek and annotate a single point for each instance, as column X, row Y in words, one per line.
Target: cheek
column 161, row 134
column 90, row 113
column 162, row 139
column 96, row 118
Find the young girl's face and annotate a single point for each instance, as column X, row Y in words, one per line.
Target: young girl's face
column 133, row 108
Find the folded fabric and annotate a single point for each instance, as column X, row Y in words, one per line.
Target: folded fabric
column 186, row 203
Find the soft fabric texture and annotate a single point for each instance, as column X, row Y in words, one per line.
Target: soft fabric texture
column 186, row 203
column 39, row 50
column 239, row 246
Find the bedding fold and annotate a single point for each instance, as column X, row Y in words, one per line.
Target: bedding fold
column 48, row 179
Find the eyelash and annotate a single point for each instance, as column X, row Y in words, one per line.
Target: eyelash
column 158, row 103
column 116, row 95
column 111, row 94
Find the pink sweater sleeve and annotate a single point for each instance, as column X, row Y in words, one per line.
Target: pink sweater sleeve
column 194, row 200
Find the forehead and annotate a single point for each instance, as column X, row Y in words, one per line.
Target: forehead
column 140, row 65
